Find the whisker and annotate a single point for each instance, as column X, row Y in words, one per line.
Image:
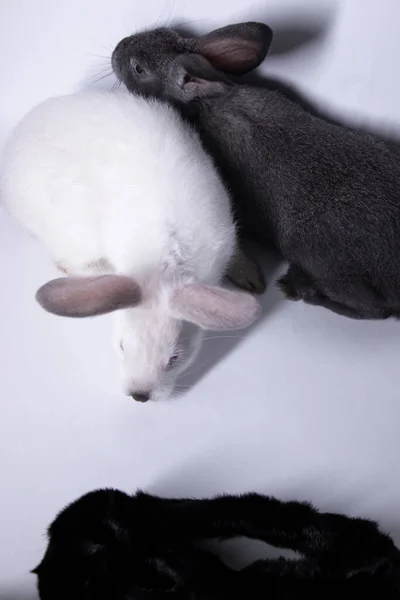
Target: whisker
column 191, row 22
column 160, row 16
column 107, row 70
column 197, row 368
column 224, row 337
column 99, row 79
column 98, row 56
column 109, row 49
column 169, row 19
column 116, row 86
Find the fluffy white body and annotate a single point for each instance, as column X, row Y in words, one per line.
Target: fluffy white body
column 115, row 184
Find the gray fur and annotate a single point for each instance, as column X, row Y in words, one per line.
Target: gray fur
column 325, row 196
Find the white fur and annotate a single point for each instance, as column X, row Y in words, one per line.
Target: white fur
column 109, row 176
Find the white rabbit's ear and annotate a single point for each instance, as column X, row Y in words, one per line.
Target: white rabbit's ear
column 88, row 296
column 212, row 307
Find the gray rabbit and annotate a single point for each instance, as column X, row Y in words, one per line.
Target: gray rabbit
column 326, row 197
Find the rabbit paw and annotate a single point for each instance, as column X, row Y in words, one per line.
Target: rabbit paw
column 246, row 274
column 296, row 285
column 288, row 288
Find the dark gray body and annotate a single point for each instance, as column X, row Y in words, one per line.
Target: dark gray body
column 327, row 197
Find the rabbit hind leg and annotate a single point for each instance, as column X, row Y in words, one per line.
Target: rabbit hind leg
column 355, row 300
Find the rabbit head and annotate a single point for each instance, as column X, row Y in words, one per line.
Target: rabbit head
column 157, row 335
column 161, row 63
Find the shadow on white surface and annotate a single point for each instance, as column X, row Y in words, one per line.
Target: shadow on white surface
column 217, row 345
column 18, row 594
column 291, row 32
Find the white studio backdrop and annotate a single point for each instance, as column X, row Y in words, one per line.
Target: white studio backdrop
column 306, row 405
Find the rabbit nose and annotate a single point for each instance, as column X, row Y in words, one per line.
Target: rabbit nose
column 141, row 396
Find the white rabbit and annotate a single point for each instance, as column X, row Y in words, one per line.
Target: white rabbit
column 121, row 192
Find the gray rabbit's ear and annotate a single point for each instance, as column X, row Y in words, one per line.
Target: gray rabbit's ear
column 196, row 78
column 236, row 49
column 88, row 296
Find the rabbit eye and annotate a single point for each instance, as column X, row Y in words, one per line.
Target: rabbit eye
column 172, row 361
column 137, row 68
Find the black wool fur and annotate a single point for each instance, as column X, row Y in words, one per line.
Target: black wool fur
column 111, row 546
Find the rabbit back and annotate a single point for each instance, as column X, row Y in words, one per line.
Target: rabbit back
column 328, row 198
column 101, row 175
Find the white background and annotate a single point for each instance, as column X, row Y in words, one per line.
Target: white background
column 304, row 406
